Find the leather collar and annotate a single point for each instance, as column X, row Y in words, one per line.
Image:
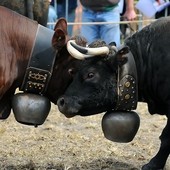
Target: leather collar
column 40, row 65
column 127, row 85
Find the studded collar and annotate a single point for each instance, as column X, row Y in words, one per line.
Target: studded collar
column 127, row 86
column 40, row 66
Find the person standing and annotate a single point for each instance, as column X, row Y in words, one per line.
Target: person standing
column 66, row 9
column 52, row 15
column 165, row 12
column 104, row 11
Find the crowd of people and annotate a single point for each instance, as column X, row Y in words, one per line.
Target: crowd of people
column 110, row 11
column 104, row 11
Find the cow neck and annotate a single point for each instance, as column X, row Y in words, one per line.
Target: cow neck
column 41, row 62
column 127, row 85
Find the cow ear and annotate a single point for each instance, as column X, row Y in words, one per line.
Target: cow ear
column 59, row 39
column 121, row 55
column 61, row 24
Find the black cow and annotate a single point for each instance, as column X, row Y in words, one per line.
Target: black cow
column 95, row 86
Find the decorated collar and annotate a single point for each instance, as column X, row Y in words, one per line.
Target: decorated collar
column 127, row 85
column 40, row 66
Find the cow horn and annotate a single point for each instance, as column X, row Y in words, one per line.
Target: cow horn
column 114, row 48
column 81, row 53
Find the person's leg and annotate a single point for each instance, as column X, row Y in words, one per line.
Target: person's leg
column 71, row 18
column 110, row 32
column 60, row 10
column 52, row 17
column 90, row 32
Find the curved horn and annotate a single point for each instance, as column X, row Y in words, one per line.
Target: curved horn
column 81, row 53
column 114, row 48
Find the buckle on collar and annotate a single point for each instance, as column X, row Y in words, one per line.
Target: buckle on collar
column 40, row 66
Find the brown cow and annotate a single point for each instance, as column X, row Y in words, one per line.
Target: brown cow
column 17, row 41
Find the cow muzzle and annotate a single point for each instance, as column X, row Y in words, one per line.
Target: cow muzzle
column 65, row 106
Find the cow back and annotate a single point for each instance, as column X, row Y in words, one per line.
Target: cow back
column 17, row 34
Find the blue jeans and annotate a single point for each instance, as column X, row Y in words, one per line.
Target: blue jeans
column 71, row 17
column 107, row 32
column 52, row 17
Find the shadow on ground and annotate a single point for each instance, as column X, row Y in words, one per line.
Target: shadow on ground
column 99, row 164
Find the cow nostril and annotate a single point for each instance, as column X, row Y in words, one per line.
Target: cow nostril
column 61, row 102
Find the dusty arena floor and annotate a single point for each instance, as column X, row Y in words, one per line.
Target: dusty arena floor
column 76, row 144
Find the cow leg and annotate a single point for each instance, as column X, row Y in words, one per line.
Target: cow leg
column 5, row 108
column 6, row 104
column 158, row 162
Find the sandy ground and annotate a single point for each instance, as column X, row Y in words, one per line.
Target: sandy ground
column 76, row 144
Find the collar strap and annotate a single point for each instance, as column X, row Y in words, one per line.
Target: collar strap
column 40, row 65
column 127, row 85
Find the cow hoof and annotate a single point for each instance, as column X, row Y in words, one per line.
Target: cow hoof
column 5, row 107
column 30, row 109
column 150, row 167
column 5, row 111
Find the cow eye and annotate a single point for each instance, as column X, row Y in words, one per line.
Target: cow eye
column 90, row 75
column 71, row 71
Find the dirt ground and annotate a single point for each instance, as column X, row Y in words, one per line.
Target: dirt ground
column 76, row 144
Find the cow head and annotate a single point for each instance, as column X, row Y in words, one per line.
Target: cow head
column 65, row 65
column 94, row 87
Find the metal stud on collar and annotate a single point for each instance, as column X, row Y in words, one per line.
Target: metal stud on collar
column 127, row 86
column 127, row 93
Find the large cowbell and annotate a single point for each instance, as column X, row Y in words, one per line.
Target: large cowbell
column 31, row 107
column 122, row 124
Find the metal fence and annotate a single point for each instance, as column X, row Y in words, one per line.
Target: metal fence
column 137, row 24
